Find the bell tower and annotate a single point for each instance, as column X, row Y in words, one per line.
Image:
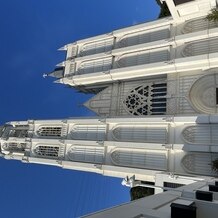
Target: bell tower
column 117, row 147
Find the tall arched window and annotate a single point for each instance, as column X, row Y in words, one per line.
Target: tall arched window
column 47, row 151
column 97, row 65
column 88, row 132
column 95, row 47
column 137, row 133
column 150, row 159
column 201, row 47
column 142, row 57
column 53, row 131
column 147, row 99
column 199, row 163
column 89, row 154
column 198, row 25
column 201, row 134
column 143, row 36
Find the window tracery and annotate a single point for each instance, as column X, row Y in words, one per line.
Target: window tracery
column 97, row 65
column 199, row 163
column 20, row 131
column 142, row 57
column 202, row 94
column 47, row 151
column 201, row 47
column 54, row 131
column 147, row 99
column 151, row 133
column 198, row 25
column 139, row 158
column 89, row 154
column 88, row 132
column 201, row 134
column 97, row 47
column 14, row 146
column 143, row 36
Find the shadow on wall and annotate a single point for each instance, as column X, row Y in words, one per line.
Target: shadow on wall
column 164, row 11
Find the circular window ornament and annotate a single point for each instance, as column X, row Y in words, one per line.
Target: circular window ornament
column 147, row 99
column 204, row 94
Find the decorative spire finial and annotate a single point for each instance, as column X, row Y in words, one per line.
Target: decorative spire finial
column 45, row 75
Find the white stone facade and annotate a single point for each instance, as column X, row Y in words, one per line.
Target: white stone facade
column 118, row 147
column 159, row 47
column 164, row 67
column 156, row 97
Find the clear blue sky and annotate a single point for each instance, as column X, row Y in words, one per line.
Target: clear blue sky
column 31, row 33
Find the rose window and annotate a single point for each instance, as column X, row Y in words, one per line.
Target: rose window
column 148, row 99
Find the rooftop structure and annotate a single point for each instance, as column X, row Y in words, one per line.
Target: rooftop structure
column 197, row 200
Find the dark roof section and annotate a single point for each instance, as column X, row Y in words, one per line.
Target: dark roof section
column 178, row 2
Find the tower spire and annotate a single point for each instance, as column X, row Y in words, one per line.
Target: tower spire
column 58, row 73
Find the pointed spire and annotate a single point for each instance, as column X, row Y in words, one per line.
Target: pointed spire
column 58, row 81
column 64, row 48
column 62, row 64
column 57, row 73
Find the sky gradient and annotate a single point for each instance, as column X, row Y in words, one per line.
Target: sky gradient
column 31, row 33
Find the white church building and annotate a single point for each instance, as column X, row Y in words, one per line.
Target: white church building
column 155, row 89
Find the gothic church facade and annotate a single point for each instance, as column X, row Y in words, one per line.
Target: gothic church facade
column 156, row 96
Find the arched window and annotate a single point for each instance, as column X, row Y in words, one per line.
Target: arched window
column 20, row 131
column 88, row 132
column 14, row 146
column 89, row 154
column 201, row 47
column 97, row 47
column 139, row 158
column 139, row 37
column 198, row 25
column 201, row 134
column 147, row 99
column 204, row 94
column 97, row 65
column 54, row 131
column 142, row 57
column 199, row 163
column 47, row 151
column 149, row 134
